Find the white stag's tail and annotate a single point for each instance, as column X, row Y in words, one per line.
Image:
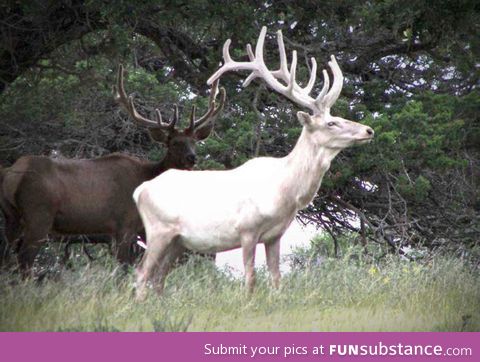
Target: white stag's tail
column 137, row 192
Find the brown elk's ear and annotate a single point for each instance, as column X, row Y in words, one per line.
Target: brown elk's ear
column 158, row 135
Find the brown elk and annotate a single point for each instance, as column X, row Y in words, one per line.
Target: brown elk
column 40, row 195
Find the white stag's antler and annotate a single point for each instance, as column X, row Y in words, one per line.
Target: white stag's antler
column 293, row 91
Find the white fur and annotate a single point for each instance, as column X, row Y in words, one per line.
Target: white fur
column 212, row 211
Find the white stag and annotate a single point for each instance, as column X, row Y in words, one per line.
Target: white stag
column 213, row 211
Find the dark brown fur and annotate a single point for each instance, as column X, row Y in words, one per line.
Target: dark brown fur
column 41, row 195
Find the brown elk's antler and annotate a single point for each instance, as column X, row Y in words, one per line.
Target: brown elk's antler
column 121, row 97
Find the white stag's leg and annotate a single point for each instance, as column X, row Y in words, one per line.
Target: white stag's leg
column 272, row 251
column 170, row 257
column 248, row 248
column 153, row 261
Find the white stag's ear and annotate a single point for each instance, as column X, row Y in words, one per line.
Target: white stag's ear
column 304, row 118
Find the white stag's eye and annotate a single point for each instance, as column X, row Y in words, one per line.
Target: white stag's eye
column 331, row 124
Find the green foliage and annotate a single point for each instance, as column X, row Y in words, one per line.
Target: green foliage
column 171, row 323
column 423, row 137
column 98, row 326
column 321, row 248
column 416, row 190
column 156, row 153
column 53, row 95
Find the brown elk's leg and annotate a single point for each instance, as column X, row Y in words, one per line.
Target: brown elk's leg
column 37, row 227
column 13, row 231
column 272, row 252
column 124, row 246
column 13, row 228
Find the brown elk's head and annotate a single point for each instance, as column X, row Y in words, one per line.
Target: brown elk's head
column 180, row 143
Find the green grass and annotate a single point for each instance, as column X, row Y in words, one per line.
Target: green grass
column 339, row 295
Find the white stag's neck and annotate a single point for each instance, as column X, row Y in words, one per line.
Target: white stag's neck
column 306, row 165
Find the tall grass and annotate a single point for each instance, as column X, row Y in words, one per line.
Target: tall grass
column 349, row 293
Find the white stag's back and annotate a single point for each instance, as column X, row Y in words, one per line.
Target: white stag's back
column 217, row 206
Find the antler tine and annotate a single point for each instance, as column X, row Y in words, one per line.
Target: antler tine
column 213, row 93
column 213, row 96
column 174, row 119
column 223, row 97
column 121, row 97
column 191, row 126
column 160, row 123
column 226, row 60
column 282, row 72
column 313, row 76
column 293, row 73
column 118, row 89
column 213, row 110
column 257, row 59
column 158, row 114
column 253, row 74
column 119, row 94
column 320, row 100
column 332, row 96
column 259, row 46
